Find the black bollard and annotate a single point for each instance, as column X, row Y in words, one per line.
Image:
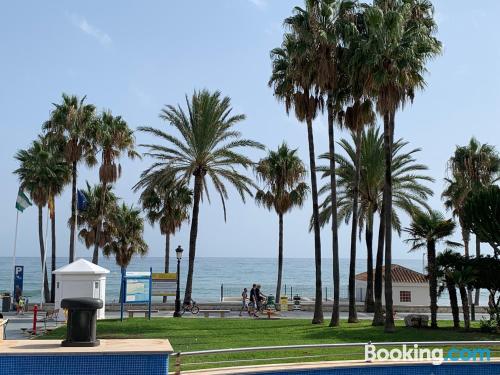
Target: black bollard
column 82, row 319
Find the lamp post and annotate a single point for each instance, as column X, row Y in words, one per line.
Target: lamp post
column 178, row 254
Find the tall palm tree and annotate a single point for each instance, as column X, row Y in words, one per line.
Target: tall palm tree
column 425, row 231
column 393, row 57
column 292, row 81
column 282, row 173
column 88, row 219
column 71, row 122
column 40, row 170
column 57, row 184
column 409, row 192
column 447, row 262
column 323, row 24
column 471, row 167
column 208, row 148
column 126, row 238
column 167, row 202
column 358, row 115
column 113, row 137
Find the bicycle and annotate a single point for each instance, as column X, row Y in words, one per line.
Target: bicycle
column 191, row 307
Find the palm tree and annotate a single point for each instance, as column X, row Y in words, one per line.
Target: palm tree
column 472, row 166
column 447, row 262
column 88, row 219
column 40, row 171
column 324, row 24
column 70, row 122
column 126, row 238
column 113, row 136
column 167, row 202
column 57, row 184
column 282, row 173
column 292, row 81
column 463, row 276
column 208, row 148
column 425, row 231
column 409, row 192
column 392, row 58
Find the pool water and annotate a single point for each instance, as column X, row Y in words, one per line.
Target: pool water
column 482, row 368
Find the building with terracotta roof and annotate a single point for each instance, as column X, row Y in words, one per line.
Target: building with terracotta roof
column 409, row 287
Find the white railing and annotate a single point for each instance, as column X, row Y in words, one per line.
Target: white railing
column 179, row 355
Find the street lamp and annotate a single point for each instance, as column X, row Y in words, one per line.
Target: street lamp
column 178, row 254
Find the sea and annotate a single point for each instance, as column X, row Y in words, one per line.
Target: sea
column 213, row 277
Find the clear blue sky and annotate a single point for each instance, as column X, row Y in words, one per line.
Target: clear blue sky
column 134, row 57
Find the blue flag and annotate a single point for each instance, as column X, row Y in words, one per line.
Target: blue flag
column 82, row 201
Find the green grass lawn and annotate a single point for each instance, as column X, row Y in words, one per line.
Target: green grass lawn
column 201, row 334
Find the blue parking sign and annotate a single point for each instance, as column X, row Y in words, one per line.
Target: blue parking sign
column 18, row 281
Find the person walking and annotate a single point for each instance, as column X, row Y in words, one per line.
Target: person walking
column 244, row 301
column 253, row 300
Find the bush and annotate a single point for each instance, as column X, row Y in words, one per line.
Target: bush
column 489, row 325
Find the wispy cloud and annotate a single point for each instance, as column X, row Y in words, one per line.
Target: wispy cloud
column 261, row 4
column 84, row 26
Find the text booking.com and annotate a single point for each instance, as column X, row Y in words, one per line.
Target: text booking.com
column 435, row 355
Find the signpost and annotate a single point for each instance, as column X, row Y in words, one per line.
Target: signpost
column 18, row 282
column 164, row 284
column 139, row 287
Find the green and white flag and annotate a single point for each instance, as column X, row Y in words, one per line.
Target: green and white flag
column 22, row 201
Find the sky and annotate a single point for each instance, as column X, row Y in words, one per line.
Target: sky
column 135, row 57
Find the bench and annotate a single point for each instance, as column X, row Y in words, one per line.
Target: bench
column 145, row 312
column 206, row 313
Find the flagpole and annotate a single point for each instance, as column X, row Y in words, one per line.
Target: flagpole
column 14, row 259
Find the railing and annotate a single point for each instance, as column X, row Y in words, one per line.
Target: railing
column 178, row 356
column 234, row 290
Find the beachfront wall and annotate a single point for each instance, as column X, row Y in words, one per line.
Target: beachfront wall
column 81, row 279
column 403, row 294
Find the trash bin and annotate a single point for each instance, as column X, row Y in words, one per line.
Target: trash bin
column 284, row 303
column 296, row 302
column 6, row 302
column 82, row 319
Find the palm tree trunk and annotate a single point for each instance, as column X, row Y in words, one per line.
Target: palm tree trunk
column 466, row 239
column 452, row 292
column 478, row 254
column 465, row 306
column 318, row 302
column 198, row 180
column 167, row 258
column 280, row 259
column 431, row 266
column 95, row 255
column 334, row 322
column 378, row 316
column 387, row 202
column 353, row 318
column 53, row 255
column 73, row 215
column 46, row 290
column 369, row 303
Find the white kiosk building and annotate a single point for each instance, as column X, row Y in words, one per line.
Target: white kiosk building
column 409, row 287
column 81, row 279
